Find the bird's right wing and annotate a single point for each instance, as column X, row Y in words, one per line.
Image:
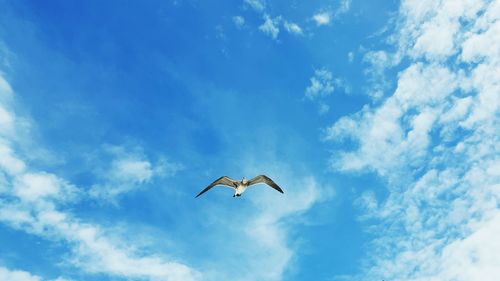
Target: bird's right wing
column 265, row 179
column 222, row 181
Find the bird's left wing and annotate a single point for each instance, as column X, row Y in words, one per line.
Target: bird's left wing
column 265, row 179
column 222, row 180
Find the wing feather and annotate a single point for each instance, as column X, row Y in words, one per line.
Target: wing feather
column 220, row 181
column 265, row 179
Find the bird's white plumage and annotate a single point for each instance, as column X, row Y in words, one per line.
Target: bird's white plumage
column 240, row 189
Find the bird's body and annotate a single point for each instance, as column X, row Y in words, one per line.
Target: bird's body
column 240, row 189
column 240, row 186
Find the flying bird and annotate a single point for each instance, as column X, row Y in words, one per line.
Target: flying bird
column 240, row 186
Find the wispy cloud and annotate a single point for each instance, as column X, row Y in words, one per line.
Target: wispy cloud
column 350, row 56
column 344, row 7
column 292, row 27
column 323, row 108
column 321, row 84
column 20, row 275
column 129, row 170
column 6, row 118
column 270, row 234
column 239, row 21
column 93, row 251
column 378, row 61
column 270, row 26
column 257, row 5
column 260, row 230
column 17, row 275
column 272, row 250
column 325, row 16
column 436, row 141
column 261, row 233
column 35, row 202
column 322, row 18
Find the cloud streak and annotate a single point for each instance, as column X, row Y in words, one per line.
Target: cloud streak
column 292, row 28
column 36, row 201
column 129, row 170
column 270, row 249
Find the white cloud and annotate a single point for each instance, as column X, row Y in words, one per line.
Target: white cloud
column 350, row 56
column 436, row 140
column 486, row 29
column 239, row 21
column 423, row 22
column 322, row 18
column 259, row 231
column 34, row 202
column 93, row 250
column 32, row 187
column 257, row 5
column 292, row 27
column 17, row 275
column 321, row 84
column 167, row 168
column 6, row 121
column 5, row 89
column 381, row 129
column 129, row 170
column 379, row 61
column 270, row 26
column 9, row 163
column 323, row 108
column 20, row 275
column 271, row 251
column 343, row 129
column 344, row 7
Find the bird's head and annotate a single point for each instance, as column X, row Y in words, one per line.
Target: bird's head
column 244, row 180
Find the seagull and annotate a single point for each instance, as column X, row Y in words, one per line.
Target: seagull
column 240, row 186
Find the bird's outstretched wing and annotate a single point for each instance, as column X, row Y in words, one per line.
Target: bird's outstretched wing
column 222, row 181
column 265, row 179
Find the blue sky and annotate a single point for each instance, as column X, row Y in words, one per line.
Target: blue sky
column 379, row 120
